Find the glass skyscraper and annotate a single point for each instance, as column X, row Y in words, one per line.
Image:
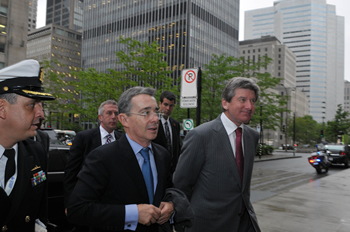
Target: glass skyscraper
column 313, row 31
column 188, row 31
column 65, row 13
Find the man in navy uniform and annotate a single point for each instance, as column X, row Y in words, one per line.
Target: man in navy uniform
column 23, row 162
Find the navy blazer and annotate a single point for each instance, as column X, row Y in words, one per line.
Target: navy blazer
column 110, row 181
column 26, row 202
column 83, row 143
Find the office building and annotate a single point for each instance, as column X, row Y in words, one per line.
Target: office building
column 33, row 5
column 347, row 96
column 189, row 32
column 54, row 42
column 65, row 13
column 315, row 34
column 283, row 65
column 13, row 31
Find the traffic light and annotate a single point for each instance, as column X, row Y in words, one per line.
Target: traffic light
column 321, row 133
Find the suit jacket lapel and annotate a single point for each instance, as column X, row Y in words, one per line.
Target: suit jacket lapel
column 159, row 159
column 24, row 163
column 249, row 154
column 225, row 148
column 132, row 167
column 96, row 138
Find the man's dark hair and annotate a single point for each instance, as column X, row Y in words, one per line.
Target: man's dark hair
column 168, row 95
column 239, row 83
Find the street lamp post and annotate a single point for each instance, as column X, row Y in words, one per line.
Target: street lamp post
column 286, row 127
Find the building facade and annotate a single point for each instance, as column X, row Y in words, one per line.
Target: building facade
column 188, row 31
column 54, row 42
column 67, row 13
column 347, row 96
column 13, row 31
column 315, row 34
column 283, row 66
column 33, row 5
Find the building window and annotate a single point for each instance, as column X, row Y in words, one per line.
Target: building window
column 253, row 50
column 248, row 51
column 243, row 51
column 279, row 49
column 265, row 49
column 3, row 10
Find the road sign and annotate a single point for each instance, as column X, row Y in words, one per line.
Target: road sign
column 188, row 98
column 188, row 124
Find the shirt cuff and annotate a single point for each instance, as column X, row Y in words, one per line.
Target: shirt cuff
column 131, row 217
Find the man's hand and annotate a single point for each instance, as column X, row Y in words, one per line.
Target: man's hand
column 148, row 214
column 167, row 210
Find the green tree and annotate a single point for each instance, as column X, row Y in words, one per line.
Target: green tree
column 307, row 130
column 341, row 122
column 140, row 64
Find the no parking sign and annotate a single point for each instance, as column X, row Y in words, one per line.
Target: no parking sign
column 188, row 98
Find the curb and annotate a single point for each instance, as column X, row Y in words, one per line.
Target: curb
column 277, row 158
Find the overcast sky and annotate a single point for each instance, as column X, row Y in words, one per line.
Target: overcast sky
column 342, row 9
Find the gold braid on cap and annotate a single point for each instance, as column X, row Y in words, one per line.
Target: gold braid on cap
column 37, row 93
column 41, row 74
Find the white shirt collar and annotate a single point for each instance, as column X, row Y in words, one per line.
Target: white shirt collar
column 229, row 126
column 104, row 133
column 2, row 150
column 163, row 120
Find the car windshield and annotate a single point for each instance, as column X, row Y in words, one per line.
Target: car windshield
column 334, row 147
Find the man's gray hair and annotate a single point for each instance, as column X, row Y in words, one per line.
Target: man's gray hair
column 239, row 83
column 9, row 97
column 125, row 99
column 108, row 102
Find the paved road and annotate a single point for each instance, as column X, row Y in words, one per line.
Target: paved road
column 277, row 176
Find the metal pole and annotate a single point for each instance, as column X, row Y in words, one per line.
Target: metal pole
column 294, row 134
column 286, row 127
column 261, row 139
column 199, row 94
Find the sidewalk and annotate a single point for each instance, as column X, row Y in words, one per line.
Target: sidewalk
column 277, row 155
column 321, row 205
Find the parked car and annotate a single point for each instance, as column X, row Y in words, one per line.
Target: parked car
column 289, row 147
column 60, row 137
column 57, row 160
column 338, row 154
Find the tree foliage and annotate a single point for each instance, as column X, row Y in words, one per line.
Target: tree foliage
column 341, row 123
column 82, row 93
column 222, row 68
column 307, row 130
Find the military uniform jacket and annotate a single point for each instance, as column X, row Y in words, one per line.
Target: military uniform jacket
column 28, row 200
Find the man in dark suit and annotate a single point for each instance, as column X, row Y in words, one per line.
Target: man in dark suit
column 86, row 141
column 216, row 163
column 169, row 129
column 122, row 184
column 23, row 162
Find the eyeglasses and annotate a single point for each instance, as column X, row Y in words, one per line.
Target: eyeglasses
column 148, row 114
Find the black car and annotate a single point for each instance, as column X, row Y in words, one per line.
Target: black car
column 338, row 154
column 57, row 160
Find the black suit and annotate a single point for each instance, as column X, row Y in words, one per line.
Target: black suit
column 43, row 138
column 176, row 140
column 83, row 143
column 26, row 201
column 110, row 181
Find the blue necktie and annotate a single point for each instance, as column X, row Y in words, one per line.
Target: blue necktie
column 147, row 173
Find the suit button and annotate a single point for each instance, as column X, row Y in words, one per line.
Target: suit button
column 4, row 228
column 27, row 219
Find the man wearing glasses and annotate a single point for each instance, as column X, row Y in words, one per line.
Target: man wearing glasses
column 122, row 184
column 169, row 129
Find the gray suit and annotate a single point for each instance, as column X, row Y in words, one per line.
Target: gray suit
column 207, row 173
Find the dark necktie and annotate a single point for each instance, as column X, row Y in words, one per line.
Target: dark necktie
column 109, row 139
column 239, row 152
column 10, row 164
column 167, row 135
column 147, row 173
